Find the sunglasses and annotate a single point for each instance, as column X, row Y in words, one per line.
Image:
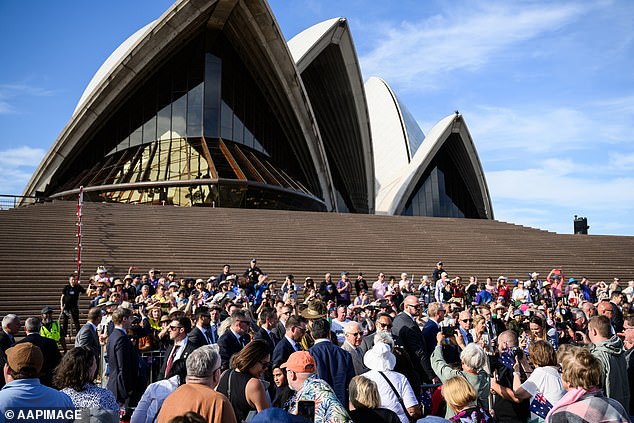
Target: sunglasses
column 174, row 327
column 467, row 320
column 385, row 325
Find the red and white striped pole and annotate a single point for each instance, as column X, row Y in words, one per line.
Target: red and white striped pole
column 80, row 203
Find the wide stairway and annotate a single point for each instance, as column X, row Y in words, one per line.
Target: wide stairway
column 38, row 247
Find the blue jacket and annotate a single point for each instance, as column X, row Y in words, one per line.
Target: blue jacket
column 31, row 394
column 334, row 365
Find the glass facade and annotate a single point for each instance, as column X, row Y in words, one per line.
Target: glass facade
column 444, row 189
column 197, row 132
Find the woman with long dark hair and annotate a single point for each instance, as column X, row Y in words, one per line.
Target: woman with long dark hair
column 241, row 383
column 75, row 375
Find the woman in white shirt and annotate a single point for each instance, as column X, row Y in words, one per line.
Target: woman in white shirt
column 543, row 386
column 392, row 385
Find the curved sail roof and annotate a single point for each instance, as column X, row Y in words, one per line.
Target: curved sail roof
column 250, row 25
column 392, row 197
column 325, row 57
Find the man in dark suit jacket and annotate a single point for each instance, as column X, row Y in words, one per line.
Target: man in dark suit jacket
column 435, row 314
column 334, row 365
column 123, row 360
column 295, row 330
column 10, row 327
column 180, row 347
column 51, row 354
column 234, row 338
column 411, row 337
column 268, row 322
column 87, row 335
column 201, row 334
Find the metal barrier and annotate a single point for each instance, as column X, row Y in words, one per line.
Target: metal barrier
column 154, row 359
column 12, row 201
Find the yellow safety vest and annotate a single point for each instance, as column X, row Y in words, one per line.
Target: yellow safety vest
column 53, row 334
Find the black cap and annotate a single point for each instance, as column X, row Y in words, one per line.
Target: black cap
column 47, row 310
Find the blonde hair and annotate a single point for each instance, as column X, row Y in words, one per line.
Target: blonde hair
column 478, row 318
column 364, row 393
column 458, row 393
column 580, row 369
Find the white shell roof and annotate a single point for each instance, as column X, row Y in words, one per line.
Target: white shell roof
column 112, row 61
column 389, row 135
column 306, row 40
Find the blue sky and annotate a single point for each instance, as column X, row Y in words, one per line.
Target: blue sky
column 546, row 88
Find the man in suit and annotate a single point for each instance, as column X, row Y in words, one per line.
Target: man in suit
column 10, row 328
column 353, row 334
column 383, row 324
column 87, row 335
column 202, row 334
column 123, row 360
column 494, row 327
column 52, row 356
column 234, row 338
column 295, row 330
column 334, row 365
column 465, row 324
column 411, row 337
column 268, row 322
column 283, row 313
column 181, row 347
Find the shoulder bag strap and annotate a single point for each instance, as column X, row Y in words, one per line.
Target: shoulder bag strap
column 400, row 399
column 229, row 385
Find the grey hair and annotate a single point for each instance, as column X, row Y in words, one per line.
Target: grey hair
column 579, row 314
column 473, row 356
column 351, row 326
column 8, row 319
column 203, row 361
column 385, row 337
column 33, row 325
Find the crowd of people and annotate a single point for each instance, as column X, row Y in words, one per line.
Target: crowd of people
column 244, row 347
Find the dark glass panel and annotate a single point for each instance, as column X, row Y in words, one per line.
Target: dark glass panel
column 179, row 110
column 442, row 192
column 195, row 111
column 213, row 75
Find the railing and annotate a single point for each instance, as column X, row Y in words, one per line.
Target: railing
column 12, row 201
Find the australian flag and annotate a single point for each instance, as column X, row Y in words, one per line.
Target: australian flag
column 540, row 406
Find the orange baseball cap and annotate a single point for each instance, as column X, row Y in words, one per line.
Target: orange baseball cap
column 300, row 362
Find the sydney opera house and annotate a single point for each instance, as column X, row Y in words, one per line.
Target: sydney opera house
column 209, row 105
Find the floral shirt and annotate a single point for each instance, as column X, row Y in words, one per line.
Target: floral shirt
column 92, row 397
column 328, row 409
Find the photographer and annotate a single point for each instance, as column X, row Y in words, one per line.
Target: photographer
column 505, row 410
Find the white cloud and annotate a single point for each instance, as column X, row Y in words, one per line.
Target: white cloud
column 621, row 161
column 428, row 50
column 17, row 166
column 21, row 156
column 10, row 92
column 537, row 129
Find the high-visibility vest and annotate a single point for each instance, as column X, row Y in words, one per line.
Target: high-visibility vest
column 53, row 334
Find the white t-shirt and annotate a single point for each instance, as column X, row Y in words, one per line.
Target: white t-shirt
column 547, row 381
column 389, row 399
column 337, row 327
